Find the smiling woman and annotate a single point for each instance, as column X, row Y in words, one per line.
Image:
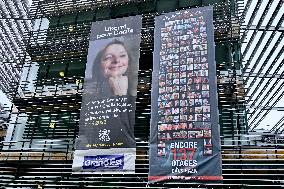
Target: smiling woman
column 111, row 68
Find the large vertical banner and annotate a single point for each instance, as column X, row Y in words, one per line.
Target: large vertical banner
column 106, row 142
column 184, row 137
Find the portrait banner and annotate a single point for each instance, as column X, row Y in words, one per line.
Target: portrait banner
column 106, row 142
column 184, row 136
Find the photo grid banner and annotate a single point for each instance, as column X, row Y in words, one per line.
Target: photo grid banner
column 106, row 142
column 184, row 136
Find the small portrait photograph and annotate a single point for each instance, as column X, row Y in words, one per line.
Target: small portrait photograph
column 198, row 117
column 176, row 102
column 183, row 58
column 205, row 102
column 204, row 66
column 197, row 73
column 189, row 61
column 195, row 41
column 197, row 47
column 183, row 118
column 203, row 53
column 162, row 127
column 176, row 81
column 207, row 142
column 183, row 134
column 204, row 46
column 183, row 125
column 163, row 52
column 205, row 94
column 161, row 151
column 163, row 58
column 205, row 80
column 183, row 43
column 190, row 54
column 183, row 103
column 190, row 87
column 189, row 125
column 197, row 95
column 169, row 104
column 197, row 53
column 176, row 68
column 183, row 68
column 162, row 119
column 176, row 119
column 169, row 63
column 164, row 34
column 204, row 73
column 183, row 95
column 198, row 87
column 197, row 60
column 204, row 40
column 174, row 127
column 199, row 134
column 161, row 112
column 183, row 88
column 198, row 102
column 161, row 97
column 169, row 45
column 189, row 81
column 206, row 125
column 163, row 64
column 208, row 151
column 183, row 111
column 191, row 102
column 168, row 111
column 191, row 96
column 190, row 67
column 207, row 133
column 162, row 83
column 161, row 105
column 161, row 144
column 196, row 30
column 191, row 117
column 183, row 62
column 203, row 59
column 162, row 90
column 197, row 80
column 202, row 29
column 169, row 76
column 174, row 62
column 163, row 46
column 169, row 119
column 169, row 89
column 197, row 66
column 175, row 110
column 176, row 88
column 198, row 110
column 206, row 109
column 168, row 96
column 205, row 87
column 169, row 69
column 206, row 117
column 183, row 75
column 175, row 75
column 169, row 83
column 175, row 96
column 203, row 35
column 191, row 134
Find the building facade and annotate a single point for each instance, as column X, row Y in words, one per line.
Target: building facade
column 38, row 149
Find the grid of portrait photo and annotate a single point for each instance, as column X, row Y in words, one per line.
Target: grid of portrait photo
column 183, row 100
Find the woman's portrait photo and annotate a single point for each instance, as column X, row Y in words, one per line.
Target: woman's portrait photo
column 112, row 67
